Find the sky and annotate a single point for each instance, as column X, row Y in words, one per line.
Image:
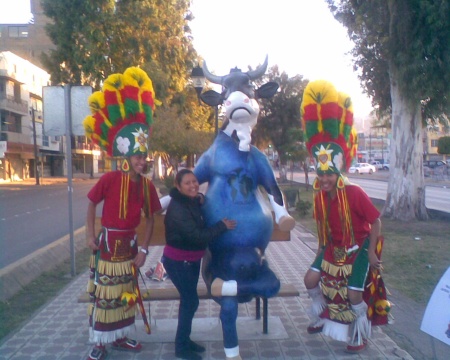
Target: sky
column 300, row 36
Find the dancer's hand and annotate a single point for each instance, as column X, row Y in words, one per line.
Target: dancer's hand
column 139, row 260
column 230, row 224
column 92, row 243
column 375, row 263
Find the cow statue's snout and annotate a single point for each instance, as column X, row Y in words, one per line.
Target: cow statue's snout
column 242, row 113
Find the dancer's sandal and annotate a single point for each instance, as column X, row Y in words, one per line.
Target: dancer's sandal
column 126, row 344
column 98, row 353
column 316, row 326
column 314, row 329
column 355, row 349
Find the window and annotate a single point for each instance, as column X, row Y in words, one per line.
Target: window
column 45, row 141
column 11, row 123
column 18, row 31
column 434, row 143
column 3, row 126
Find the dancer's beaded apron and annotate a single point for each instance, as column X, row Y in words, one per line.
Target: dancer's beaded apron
column 110, row 276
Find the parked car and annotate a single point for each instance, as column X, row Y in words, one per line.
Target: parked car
column 433, row 163
column 378, row 165
column 312, row 168
column 386, row 166
column 362, row 168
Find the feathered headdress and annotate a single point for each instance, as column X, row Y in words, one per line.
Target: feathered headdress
column 122, row 114
column 327, row 118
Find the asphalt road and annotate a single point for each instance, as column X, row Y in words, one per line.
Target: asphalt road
column 34, row 216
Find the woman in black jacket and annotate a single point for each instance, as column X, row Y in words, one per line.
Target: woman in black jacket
column 186, row 240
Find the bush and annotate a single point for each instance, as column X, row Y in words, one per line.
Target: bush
column 169, row 181
column 303, row 207
column 291, row 194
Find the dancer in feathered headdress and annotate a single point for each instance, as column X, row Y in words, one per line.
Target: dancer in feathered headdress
column 348, row 223
column 122, row 115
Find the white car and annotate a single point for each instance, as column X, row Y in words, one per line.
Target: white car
column 362, row 168
column 377, row 165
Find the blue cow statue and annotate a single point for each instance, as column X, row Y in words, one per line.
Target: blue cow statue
column 235, row 269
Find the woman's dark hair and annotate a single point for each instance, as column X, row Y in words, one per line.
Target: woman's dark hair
column 180, row 175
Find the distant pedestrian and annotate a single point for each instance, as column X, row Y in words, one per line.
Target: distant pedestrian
column 125, row 194
column 187, row 238
column 348, row 224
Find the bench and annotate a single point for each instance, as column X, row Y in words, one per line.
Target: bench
column 167, row 294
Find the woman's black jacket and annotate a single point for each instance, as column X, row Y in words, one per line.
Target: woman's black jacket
column 185, row 227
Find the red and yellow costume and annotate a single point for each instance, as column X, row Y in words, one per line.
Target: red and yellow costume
column 122, row 115
column 343, row 221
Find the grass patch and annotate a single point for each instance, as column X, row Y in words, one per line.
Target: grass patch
column 413, row 267
column 22, row 306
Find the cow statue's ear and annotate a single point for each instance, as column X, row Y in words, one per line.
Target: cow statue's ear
column 211, row 98
column 267, row 90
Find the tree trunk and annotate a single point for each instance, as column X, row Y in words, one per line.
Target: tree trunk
column 406, row 188
column 157, row 167
column 283, row 173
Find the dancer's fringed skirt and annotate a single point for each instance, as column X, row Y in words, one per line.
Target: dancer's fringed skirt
column 110, row 276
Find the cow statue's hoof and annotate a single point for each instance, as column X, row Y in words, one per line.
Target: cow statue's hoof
column 286, row 223
column 237, row 357
column 223, row 288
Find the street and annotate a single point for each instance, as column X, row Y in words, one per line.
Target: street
column 32, row 217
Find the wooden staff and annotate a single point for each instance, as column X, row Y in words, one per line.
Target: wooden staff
column 139, row 300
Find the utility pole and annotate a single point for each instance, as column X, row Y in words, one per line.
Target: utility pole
column 36, row 158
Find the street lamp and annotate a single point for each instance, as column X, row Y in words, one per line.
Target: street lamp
column 198, row 80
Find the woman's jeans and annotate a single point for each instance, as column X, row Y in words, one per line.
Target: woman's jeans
column 184, row 275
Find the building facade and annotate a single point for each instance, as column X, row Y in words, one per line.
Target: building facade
column 28, row 42
column 374, row 146
column 25, row 151
column 430, row 137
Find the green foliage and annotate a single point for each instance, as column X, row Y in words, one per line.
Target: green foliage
column 175, row 134
column 95, row 38
column 169, row 181
column 444, row 145
column 279, row 121
column 303, row 207
column 412, row 37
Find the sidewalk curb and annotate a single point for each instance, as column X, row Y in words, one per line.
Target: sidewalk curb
column 20, row 273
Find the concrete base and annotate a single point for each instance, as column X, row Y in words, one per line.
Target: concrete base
column 210, row 329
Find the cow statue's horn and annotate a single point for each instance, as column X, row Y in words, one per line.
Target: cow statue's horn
column 211, row 77
column 259, row 71
column 253, row 74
